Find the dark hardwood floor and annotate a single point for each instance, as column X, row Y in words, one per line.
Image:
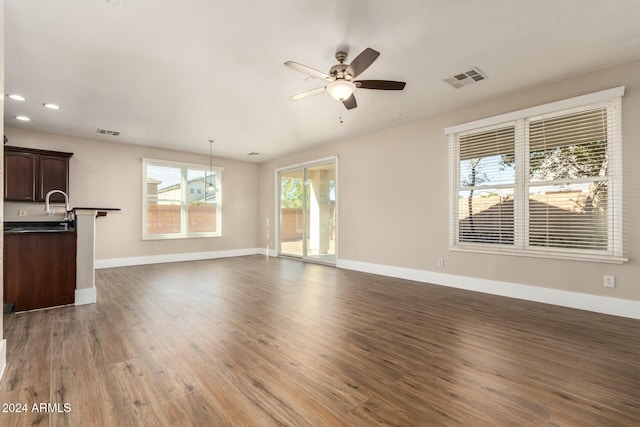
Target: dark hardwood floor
column 255, row 342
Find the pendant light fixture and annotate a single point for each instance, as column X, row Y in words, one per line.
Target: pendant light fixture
column 211, row 188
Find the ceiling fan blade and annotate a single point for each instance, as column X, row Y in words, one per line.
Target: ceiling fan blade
column 350, row 102
column 362, row 62
column 308, row 71
column 307, row 94
column 380, row 84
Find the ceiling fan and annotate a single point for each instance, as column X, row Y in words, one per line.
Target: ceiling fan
column 342, row 77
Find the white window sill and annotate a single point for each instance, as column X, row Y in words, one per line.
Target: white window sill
column 175, row 237
column 571, row 256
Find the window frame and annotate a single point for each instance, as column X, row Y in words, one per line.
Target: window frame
column 614, row 253
column 184, row 170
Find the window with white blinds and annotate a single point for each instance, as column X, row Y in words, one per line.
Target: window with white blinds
column 546, row 181
column 486, row 186
column 180, row 200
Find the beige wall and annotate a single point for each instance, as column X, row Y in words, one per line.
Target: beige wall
column 110, row 175
column 409, row 165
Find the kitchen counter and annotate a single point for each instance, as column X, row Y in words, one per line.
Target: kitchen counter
column 99, row 211
column 15, row 227
column 96, row 209
column 50, row 261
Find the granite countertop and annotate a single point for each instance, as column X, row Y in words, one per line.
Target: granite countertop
column 58, row 217
column 94, row 209
column 16, row 227
column 99, row 211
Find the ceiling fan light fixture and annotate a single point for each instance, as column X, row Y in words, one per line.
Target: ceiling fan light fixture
column 341, row 89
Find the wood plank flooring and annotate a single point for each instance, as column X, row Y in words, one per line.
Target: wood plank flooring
column 254, row 342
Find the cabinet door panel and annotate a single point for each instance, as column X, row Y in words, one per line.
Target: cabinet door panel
column 53, row 176
column 19, row 183
column 39, row 269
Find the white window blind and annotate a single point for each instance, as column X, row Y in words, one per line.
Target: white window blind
column 548, row 184
column 179, row 201
column 486, row 193
column 568, row 180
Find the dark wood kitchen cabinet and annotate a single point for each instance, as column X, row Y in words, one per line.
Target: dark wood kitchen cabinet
column 29, row 174
column 39, row 269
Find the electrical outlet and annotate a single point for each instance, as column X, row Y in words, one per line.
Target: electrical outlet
column 441, row 262
column 22, row 212
column 609, row 281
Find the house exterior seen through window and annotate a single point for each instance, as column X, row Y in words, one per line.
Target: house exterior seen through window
column 546, row 181
column 180, row 200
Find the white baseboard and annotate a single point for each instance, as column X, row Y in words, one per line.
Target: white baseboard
column 86, row 296
column 3, row 357
column 595, row 303
column 263, row 251
column 187, row 256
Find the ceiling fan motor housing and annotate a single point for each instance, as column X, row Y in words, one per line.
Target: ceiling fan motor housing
column 338, row 70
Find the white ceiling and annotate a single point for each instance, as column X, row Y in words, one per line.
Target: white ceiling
column 174, row 74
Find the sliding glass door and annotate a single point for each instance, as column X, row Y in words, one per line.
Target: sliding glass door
column 292, row 212
column 307, row 197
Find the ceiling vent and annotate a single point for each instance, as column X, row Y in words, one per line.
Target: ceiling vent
column 108, row 132
column 253, row 153
column 466, row 78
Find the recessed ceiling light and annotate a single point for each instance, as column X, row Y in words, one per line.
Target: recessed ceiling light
column 51, row 106
column 17, row 97
column 23, row 118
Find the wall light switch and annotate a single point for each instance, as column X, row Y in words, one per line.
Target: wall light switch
column 609, row 281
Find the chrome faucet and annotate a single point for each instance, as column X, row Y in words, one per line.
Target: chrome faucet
column 47, row 209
